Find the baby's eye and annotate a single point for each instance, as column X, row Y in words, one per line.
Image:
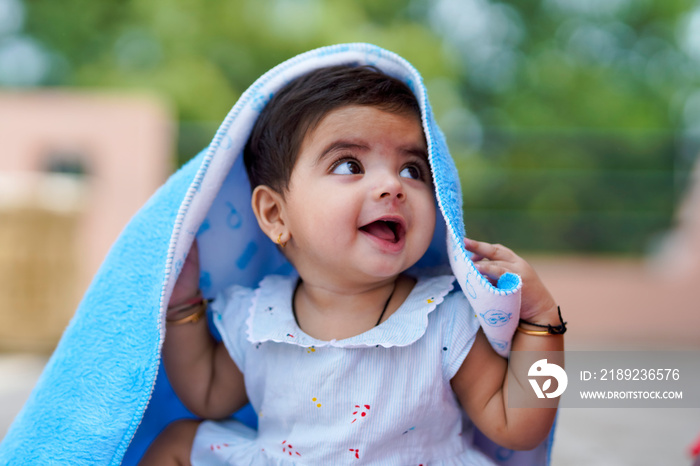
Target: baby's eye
column 347, row 167
column 411, row 171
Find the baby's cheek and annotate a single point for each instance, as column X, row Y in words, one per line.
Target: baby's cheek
column 427, row 222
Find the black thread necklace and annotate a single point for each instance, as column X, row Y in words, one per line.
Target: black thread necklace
column 386, row 305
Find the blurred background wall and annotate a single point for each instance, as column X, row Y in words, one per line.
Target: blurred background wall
column 575, row 125
column 74, row 167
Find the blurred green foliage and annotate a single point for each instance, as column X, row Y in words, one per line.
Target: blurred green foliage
column 571, row 121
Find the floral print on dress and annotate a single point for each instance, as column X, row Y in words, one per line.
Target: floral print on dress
column 362, row 410
column 288, row 448
column 213, row 446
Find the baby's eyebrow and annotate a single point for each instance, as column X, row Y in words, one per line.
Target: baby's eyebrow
column 411, row 150
column 340, row 145
column 417, row 151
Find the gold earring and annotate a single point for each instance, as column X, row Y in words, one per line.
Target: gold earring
column 279, row 241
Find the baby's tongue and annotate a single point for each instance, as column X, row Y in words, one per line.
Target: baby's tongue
column 381, row 230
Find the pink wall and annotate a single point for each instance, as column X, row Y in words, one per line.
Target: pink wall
column 126, row 141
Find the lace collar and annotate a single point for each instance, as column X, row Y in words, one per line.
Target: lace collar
column 271, row 318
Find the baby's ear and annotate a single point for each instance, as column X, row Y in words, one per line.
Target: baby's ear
column 268, row 206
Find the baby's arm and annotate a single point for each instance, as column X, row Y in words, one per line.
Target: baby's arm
column 481, row 384
column 200, row 370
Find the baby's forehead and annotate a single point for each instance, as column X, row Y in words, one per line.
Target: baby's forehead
column 387, row 109
column 381, row 113
column 349, row 125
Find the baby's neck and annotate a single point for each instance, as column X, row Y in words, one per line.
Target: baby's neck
column 327, row 313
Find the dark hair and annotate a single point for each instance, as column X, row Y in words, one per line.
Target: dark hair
column 297, row 108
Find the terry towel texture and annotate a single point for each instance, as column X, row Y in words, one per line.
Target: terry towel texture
column 103, row 395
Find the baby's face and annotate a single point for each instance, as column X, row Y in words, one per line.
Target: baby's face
column 360, row 205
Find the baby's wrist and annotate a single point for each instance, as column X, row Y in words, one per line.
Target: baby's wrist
column 549, row 322
column 190, row 310
column 548, row 316
column 178, row 303
column 181, row 295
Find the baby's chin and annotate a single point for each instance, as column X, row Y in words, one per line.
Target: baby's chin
column 384, row 271
column 365, row 266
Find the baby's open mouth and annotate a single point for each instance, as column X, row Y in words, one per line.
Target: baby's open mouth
column 387, row 230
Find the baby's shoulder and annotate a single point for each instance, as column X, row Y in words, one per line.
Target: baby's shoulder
column 455, row 301
column 443, row 285
column 235, row 299
column 451, row 304
column 235, row 292
column 456, row 297
column 443, row 293
column 272, row 288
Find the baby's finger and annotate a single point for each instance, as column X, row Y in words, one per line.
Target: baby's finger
column 491, row 269
column 490, row 251
column 476, row 257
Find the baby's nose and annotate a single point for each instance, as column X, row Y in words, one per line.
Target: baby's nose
column 399, row 195
column 392, row 187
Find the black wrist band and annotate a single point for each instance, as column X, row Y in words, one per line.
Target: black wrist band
column 551, row 329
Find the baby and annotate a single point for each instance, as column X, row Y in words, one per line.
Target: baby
column 354, row 358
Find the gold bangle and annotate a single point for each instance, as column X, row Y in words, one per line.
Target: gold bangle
column 188, row 304
column 539, row 333
column 194, row 317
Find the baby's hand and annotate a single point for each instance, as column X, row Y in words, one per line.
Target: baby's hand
column 493, row 260
column 187, row 284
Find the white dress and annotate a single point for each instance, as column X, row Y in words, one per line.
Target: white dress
column 379, row 398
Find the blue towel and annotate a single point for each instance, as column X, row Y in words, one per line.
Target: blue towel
column 103, row 395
